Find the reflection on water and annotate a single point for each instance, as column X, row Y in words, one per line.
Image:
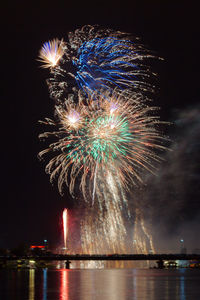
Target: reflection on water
column 64, row 284
column 31, row 284
column 182, row 288
column 101, row 286
column 182, row 285
column 115, row 284
column 114, row 281
column 44, row 284
column 166, row 288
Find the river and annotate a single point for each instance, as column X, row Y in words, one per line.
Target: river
column 104, row 284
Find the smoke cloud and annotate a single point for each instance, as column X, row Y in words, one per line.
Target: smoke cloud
column 170, row 200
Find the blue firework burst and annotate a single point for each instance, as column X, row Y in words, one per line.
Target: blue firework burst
column 97, row 61
column 104, row 63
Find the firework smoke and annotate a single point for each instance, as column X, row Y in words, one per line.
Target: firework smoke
column 172, row 197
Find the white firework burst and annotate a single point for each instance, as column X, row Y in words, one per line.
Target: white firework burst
column 50, row 53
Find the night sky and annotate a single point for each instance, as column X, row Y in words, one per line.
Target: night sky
column 30, row 206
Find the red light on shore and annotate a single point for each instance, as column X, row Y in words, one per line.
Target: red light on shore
column 35, row 247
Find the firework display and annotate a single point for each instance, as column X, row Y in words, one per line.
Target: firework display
column 113, row 135
column 95, row 60
column 105, row 135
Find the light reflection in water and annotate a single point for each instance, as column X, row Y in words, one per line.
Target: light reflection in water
column 107, row 284
column 143, row 288
column 88, row 282
column 182, row 288
column 64, row 285
column 31, row 284
column 135, row 283
column 117, row 290
column 151, row 287
column 103, row 284
column 166, row 289
column 44, row 284
column 182, row 285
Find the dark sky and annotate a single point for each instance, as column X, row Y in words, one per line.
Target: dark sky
column 30, row 207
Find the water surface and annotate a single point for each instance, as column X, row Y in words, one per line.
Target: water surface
column 110, row 284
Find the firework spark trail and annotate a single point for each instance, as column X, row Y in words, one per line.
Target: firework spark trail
column 142, row 239
column 106, row 233
column 65, row 227
column 94, row 184
column 108, row 227
column 149, row 237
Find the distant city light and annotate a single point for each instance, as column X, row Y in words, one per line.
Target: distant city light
column 32, row 261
